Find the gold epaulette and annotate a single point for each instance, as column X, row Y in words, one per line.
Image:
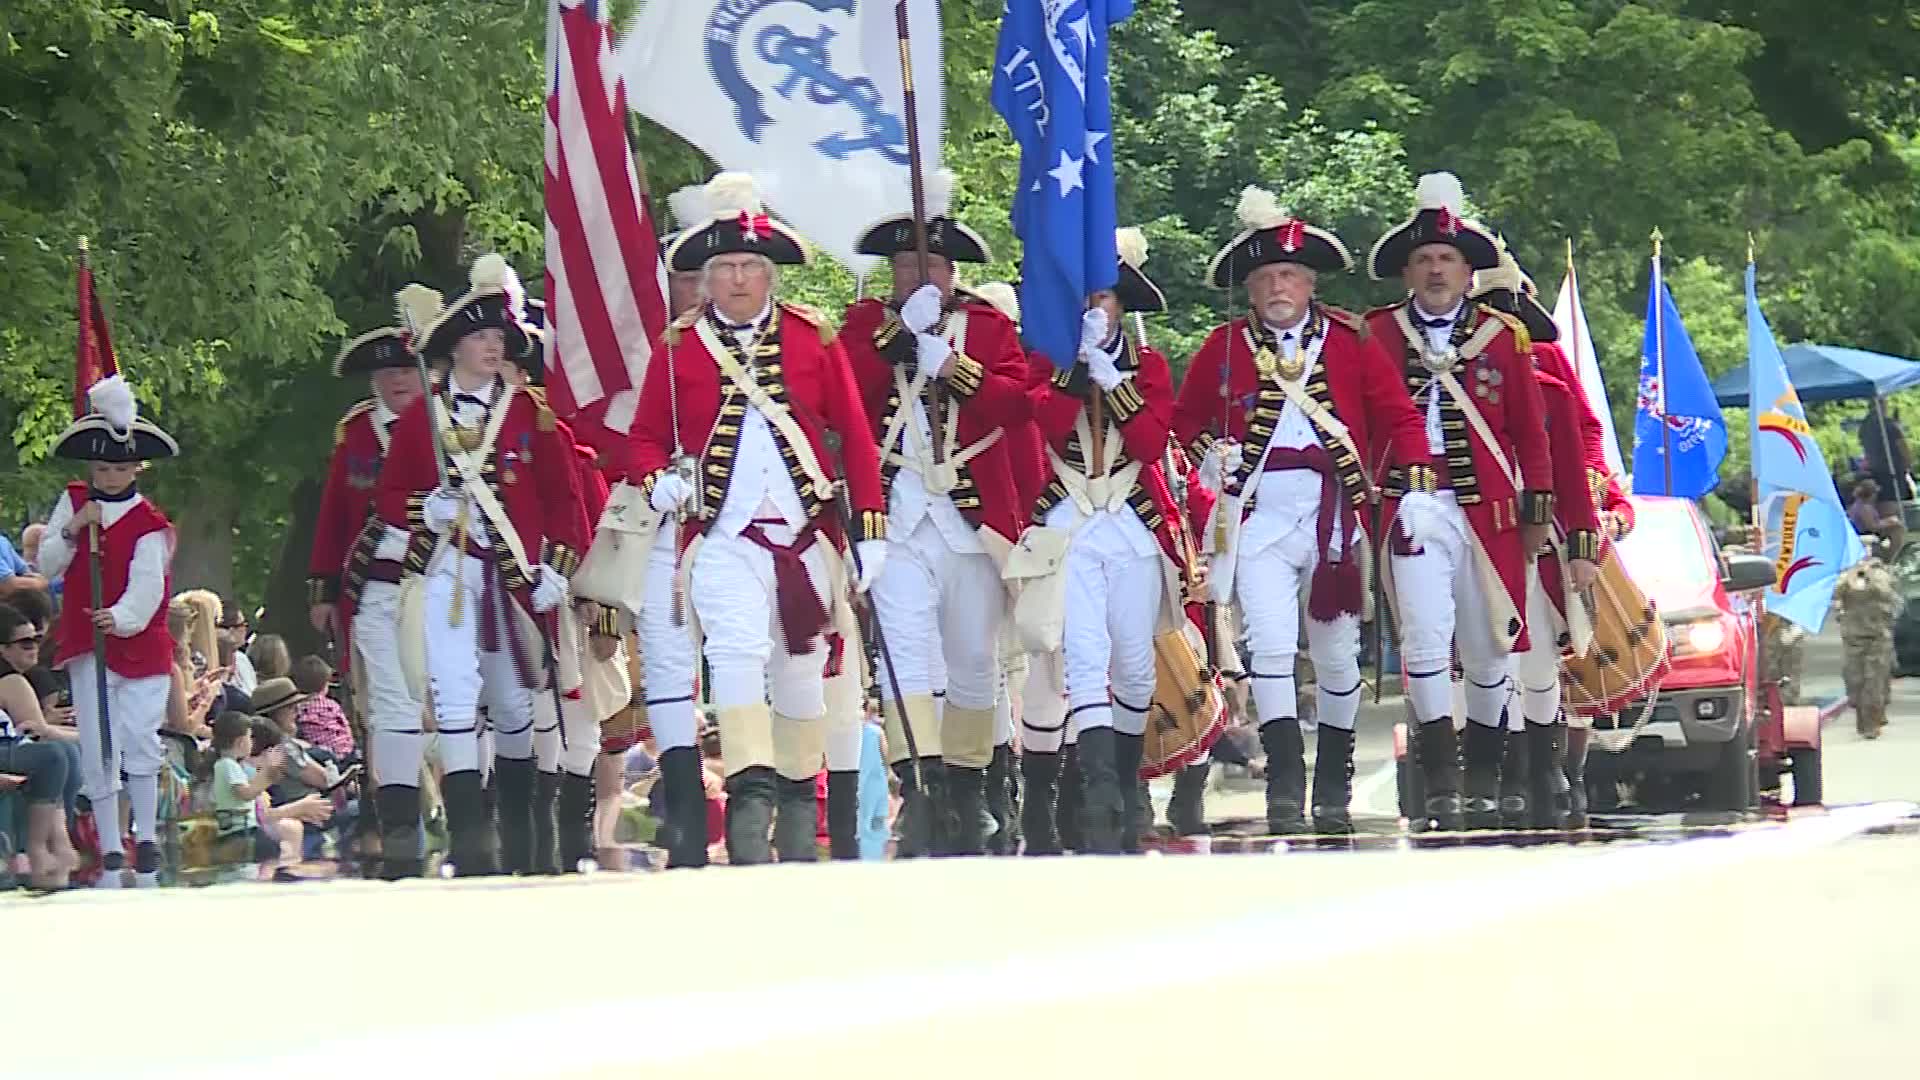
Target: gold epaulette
column 1355, row 323
column 543, row 417
column 681, row 325
column 1521, row 341
column 806, row 313
column 340, row 429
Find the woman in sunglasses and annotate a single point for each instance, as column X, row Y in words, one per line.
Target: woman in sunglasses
column 30, row 758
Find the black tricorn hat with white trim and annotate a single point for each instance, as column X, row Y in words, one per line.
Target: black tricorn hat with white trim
column 1270, row 234
column 1135, row 290
column 1436, row 219
column 947, row 237
column 391, row 346
column 737, row 223
column 1507, row 288
column 493, row 301
column 114, row 431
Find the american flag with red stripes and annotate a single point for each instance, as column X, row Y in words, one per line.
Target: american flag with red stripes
column 606, row 289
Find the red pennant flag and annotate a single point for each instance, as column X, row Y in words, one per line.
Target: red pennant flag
column 93, row 358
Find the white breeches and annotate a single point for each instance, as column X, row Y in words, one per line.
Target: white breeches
column 942, row 609
column 464, row 677
column 136, row 709
column 1043, row 704
column 1113, row 605
column 1537, row 671
column 1270, row 584
column 1442, row 608
column 846, row 713
column 666, row 651
column 732, row 590
column 393, row 714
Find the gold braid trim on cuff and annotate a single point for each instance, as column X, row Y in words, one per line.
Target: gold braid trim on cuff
column 1584, row 544
column 967, row 377
column 1422, row 478
column 1536, row 507
column 1125, row 401
column 873, row 525
column 323, row 590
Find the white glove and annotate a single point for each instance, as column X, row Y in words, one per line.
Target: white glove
column 922, row 309
column 442, row 507
column 1420, row 517
column 932, row 355
column 873, row 555
column 1219, row 463
column 1217, row 580
column 1093, row 331
column 670, row 492
column 550, row 591
column 1103, row 370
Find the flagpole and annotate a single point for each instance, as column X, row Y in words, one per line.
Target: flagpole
column 916, row 177
column 1660, row 364
column 94, row 570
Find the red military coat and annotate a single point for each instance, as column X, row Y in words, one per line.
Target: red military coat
column 346, row 503
column 1573, row 510
column 530, row 470
column 1601, row 484
column 1141, row 407
column 1500, row 382
column 987, row 391
column 812, row 377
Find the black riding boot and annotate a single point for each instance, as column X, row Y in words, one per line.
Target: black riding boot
column 1577, row 739
column 1000, row 803
column 470, row 845
column 399, row 809
column 685, row 827
column 1544, row 752
column 1187, row 810
column 966, row 811
column 575, row 821
column 796, row 825
column 1067, row 807
column 1103, row 803
column 1136, row 808
column 1481, row 749
column 843, row 814
column 1041, row 772
column 1286, row 776
column 1437, row 749
column 513, row 797
column 750, row 799
column 921, row 831
column 1333, row 781
column 1516, row 806
column 546, row 823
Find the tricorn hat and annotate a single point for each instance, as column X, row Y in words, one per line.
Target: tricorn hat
column 1270, row 234
column 535, row 359
column 946, row 237
column 1134, row 289
column 1436, row 220
column 493, row 301
column 114, row 431
column 737, row 222
column 1507, row 288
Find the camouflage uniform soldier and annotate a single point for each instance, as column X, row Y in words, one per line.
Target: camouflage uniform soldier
column 1781, row 651
column 1868, row 602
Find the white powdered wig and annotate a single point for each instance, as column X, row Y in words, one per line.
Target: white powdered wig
column 112, row 398
column 1260, row 209
column 1000, row 295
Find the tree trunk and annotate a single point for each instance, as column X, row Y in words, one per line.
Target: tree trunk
column 204, row 525
column 286, row 597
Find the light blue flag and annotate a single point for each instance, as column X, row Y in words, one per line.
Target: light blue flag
column 1807, row 533
column 1050, row 85
column 1679, row 435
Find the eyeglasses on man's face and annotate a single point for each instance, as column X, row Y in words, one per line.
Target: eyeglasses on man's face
column 19, row 642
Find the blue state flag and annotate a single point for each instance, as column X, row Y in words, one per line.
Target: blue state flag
column 1807, row 533
column 1050, row 85
column 1679, row 436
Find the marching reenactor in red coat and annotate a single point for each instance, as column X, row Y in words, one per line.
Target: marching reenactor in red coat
column 482, row 479
column 353, row 574
column 941, row 378
column 1460, row 587
column 136, row 556
column 1105, row 420
column 752, row 388
column 1281, row 406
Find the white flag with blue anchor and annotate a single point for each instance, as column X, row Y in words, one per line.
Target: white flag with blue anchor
column 804, row 94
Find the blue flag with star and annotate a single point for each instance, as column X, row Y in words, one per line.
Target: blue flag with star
column 1679, row 435
column 1050, row 85
column 1806, row 530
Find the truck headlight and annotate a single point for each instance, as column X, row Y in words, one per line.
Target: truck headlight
column 1705, row 636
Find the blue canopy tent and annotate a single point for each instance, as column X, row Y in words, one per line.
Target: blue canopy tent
column 1827, row 373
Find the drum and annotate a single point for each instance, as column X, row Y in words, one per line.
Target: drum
column 1628, row 658
column 1189, row 708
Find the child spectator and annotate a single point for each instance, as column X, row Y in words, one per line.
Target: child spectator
column 237, row 788
column 319, row 719
column 271, row 658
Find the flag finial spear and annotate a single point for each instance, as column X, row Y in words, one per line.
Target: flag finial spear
column 1749, row 249
column 1657, row 238
column 83, row 249
column 1569, row 253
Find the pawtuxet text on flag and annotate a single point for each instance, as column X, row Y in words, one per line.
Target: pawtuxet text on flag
column 804, row 94
column 1805, row 527
column 1679, row 435
column 1050, row 84
column 606, row 290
